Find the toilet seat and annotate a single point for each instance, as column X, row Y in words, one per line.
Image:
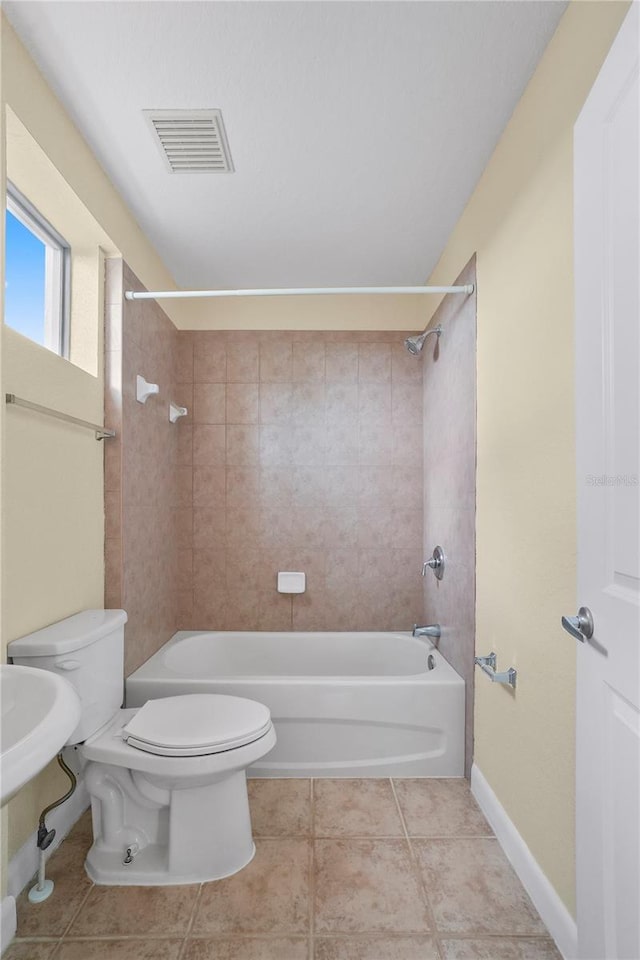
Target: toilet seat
column 109, row 746
column 196, row 725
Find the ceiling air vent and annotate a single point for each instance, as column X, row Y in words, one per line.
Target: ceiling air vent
column 191, row 141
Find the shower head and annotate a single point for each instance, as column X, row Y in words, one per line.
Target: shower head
column 415, row 344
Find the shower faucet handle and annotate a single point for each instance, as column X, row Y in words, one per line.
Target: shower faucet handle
column 435, row 563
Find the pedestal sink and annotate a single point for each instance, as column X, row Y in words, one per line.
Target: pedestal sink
column 39, row 712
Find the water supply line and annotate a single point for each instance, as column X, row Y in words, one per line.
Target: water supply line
column 44, row 888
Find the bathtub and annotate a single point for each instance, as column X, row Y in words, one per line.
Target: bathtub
column 343, row 704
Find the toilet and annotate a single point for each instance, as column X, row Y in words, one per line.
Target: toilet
column 167, row 781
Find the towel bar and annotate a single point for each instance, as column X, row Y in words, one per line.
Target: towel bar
column 101, row 432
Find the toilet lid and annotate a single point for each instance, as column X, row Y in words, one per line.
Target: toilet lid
column 196, row 724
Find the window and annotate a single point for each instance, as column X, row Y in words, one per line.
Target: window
column 37, row 275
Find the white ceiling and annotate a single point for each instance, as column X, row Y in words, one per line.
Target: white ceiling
column 358, row 130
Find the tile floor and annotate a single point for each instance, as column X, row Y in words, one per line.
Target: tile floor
column 344, row 870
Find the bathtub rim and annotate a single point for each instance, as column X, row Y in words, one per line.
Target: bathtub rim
column 155, row 668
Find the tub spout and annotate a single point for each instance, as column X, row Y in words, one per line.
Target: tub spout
column 432, row 631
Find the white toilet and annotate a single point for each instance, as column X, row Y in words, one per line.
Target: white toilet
column 167, row 781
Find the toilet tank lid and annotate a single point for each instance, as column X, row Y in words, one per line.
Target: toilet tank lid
column 67, row 635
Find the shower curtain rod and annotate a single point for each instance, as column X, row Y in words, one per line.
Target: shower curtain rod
column 288, row 292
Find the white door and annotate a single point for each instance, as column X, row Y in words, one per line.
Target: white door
column 607, row 262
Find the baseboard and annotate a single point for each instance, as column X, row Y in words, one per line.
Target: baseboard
column 555, row 915
column 24, row 864
column 8, row 922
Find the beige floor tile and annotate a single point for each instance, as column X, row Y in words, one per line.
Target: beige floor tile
column 499, row 948
column 440, row 808
column 242, row 948
column 30, row 951
column 355, row 808
column 119, row 950
column 366, row 886
column 71, row 884
column 375, row 948
column 280, row 808
column 473, row 889
column 270, row 896
column 82, row 830
column 135, row 911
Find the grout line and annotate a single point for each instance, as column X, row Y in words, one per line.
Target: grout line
column 171, row 938
column 266, row 935
column 312, row 865
column 417, row 873
column 73, row 919
column 196, row 904
column 77, row 913
column 35, row 939
column 452, row 836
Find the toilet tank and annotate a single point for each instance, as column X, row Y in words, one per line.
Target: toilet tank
column 86, row 649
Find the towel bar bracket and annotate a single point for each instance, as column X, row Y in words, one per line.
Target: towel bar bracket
column 488, row 665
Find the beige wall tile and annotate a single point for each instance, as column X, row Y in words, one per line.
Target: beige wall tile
column 308, row 362
column 243, row 445
column 209, row 403
column 242, row 403
column 242, row 361
column 276, row 361
column 374, row 362
column 209, row 359
column 275, row 402
column 209, row 444
column 341, row 361
column 183, row 357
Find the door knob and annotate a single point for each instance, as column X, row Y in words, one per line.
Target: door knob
column 580, row 627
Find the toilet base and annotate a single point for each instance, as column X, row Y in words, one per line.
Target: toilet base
column 149, row 869
column 147, row 835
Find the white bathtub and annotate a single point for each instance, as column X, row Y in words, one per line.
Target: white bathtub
column 343, row 704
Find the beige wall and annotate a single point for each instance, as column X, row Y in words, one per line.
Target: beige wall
column 519, row 222
column 52, row 527
column 403, row 312
column 4, row 818
column 52, row 506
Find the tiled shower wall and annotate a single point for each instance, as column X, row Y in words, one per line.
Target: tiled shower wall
column 450, row 483
column 302, row 451
column 140, row 468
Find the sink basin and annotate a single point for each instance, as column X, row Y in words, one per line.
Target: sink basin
column 39, row 712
